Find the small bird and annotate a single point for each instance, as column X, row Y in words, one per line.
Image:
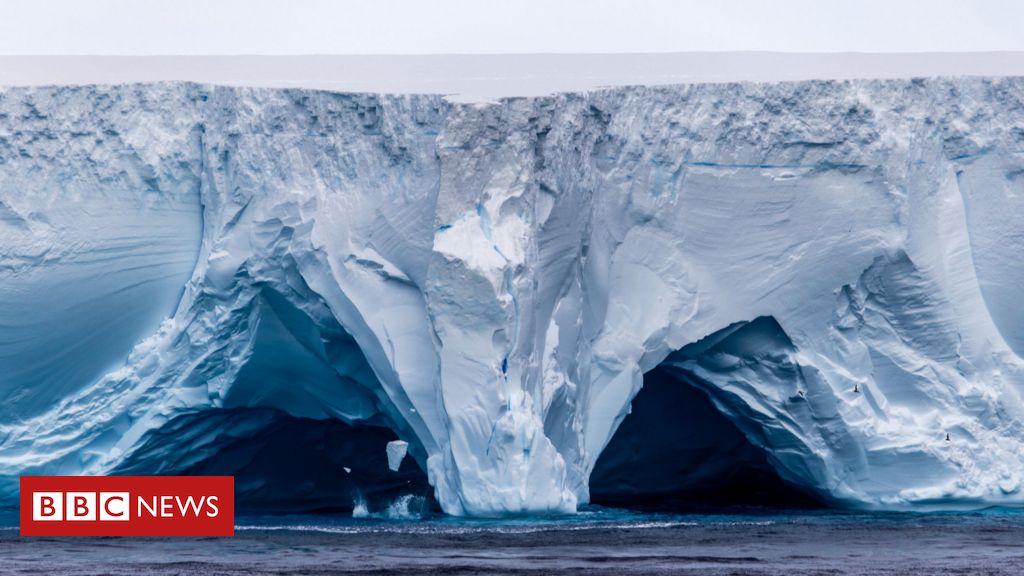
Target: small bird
column 856, row 389
column 947, row 437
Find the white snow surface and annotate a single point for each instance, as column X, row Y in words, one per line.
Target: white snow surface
column 486, row 78
column 509, row 270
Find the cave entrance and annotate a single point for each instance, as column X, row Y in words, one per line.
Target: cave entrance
column 677, row 451
column 283, row 463
column 302, row 426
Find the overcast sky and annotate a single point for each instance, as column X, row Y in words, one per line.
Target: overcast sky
column 119, row 27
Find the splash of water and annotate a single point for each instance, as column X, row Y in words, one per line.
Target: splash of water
column 359, row 507
column 407, row 507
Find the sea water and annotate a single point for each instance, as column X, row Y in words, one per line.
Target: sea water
column 594, row 541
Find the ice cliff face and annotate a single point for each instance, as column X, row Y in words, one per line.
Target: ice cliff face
column 836, row 264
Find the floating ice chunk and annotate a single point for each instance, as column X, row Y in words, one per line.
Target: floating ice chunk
column 396, row 450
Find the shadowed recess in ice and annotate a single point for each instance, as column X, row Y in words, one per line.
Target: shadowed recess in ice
column 280, row 462
column 676, row 449
column 835, row 266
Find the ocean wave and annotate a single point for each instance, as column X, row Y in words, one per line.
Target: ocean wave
column 439, row 528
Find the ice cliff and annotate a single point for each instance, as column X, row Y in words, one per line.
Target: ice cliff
column 836, row 265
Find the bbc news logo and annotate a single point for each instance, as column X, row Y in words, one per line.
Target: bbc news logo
column 127, row 506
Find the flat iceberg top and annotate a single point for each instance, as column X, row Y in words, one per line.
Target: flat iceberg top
column 469, row 78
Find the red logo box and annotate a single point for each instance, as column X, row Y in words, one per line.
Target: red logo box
column 127, row 506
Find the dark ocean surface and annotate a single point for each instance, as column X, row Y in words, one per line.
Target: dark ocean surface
column 596, row 541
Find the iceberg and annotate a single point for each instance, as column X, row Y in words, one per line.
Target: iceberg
column 200, row 270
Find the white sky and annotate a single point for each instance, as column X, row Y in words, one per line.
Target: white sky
column 145, row 27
